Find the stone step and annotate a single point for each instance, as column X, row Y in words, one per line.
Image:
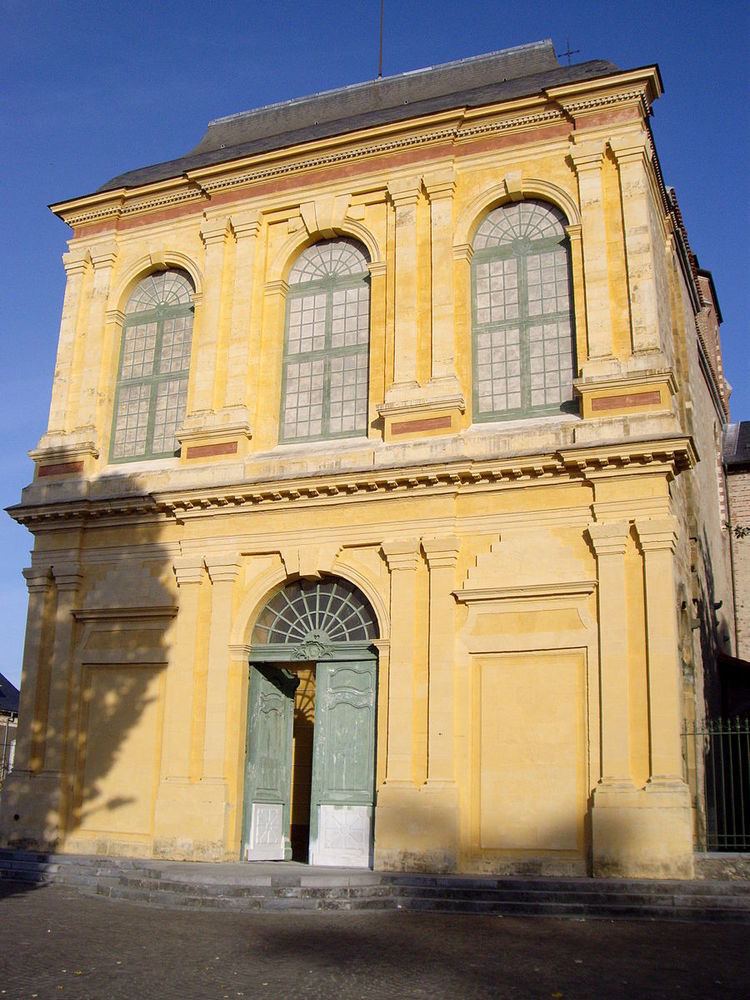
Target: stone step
column 244, row 888
column 602, row 894
column 582, row 885
column 583, row 911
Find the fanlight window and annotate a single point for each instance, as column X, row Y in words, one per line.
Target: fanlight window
column 154, row 363
column 326, row 343
column 326, row 611
column 523, row 318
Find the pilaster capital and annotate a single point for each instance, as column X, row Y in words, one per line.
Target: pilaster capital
column 188, row 570
column 104, row 254
column 657, row 533
column 631, row 147
column 609, row 538
column 401, row 553
column 222, row 568
column 441, row 553
column 37, row 579
column 440, row 184
column 116, row 316
column 67, row 576
column 404, row 191
column 246, row 224
column 214, row 232
column 575, row 232
column 587, row 154
column 76, row 261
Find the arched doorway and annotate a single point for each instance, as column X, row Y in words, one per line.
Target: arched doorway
column 310, row 770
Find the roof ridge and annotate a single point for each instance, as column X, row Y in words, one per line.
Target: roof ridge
column 484, row 57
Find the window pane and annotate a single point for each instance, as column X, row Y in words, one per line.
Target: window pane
column 547, row 276
column 307, row 324
column 138, row 351
column 499, row 371
column 350, row 316
column 175, row 344
column 131, row 421
column 348, row 406
column 303, row 403
column 551, row 363
column 169, row 412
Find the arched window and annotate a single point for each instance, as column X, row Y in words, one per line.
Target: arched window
column 154, row 361
column 522, row 313
column 324, row 392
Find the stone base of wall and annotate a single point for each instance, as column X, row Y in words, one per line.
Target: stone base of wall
column 731, row 867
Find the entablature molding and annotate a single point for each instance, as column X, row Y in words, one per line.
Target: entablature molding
column 664, row 457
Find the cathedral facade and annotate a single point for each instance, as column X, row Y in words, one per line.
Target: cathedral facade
column 380, row 490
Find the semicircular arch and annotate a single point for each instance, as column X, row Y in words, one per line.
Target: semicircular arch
column 146, row 265
column 532, row 187
column 285, row 257
column 273, row 580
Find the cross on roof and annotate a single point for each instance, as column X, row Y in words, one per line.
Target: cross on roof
column 569, row 52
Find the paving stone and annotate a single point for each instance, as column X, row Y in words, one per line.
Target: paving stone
column 101, row 949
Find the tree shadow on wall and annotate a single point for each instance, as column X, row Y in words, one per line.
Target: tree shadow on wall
column 95, row 741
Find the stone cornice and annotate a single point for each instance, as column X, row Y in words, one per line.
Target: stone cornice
column 458, row 125
column 666, row 456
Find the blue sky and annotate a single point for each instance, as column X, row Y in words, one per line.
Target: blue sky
column 92, row 88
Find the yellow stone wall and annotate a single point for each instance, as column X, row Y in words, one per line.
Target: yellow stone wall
column 525, row 575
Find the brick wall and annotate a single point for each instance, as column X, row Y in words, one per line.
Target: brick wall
column 739, row 508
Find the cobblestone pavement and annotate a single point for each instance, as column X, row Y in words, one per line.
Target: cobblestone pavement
column 57, row 943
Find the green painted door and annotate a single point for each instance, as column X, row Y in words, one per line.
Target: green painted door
column 343, row 776
column 269, row 764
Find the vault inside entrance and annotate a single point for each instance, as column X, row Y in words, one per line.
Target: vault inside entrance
column 303, row 730
column 309, row 785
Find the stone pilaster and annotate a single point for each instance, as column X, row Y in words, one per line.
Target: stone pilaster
column 38, row 583
column 609, row 542
column 180, row 794
column 657, row 539
column 632, row 155
column 214, row 235
column 76, row 263
column 35, row 801
column 636, row 832
column 68, row 577
column 440, row 187
column 223, row 572
column 402, row 557
column 246, row 228
column 104, row 258
column 180, row 688
column 587, row 157
column 404, row 194
column 269, row 378
column 442, row 556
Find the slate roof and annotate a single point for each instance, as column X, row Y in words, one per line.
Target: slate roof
column 480, row 80
column 9, row 695
column 737, row 445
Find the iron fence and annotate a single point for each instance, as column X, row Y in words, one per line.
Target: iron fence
column 717, row 756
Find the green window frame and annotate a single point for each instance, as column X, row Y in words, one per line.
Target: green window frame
column 153, row 368
column 522, row 314
column 325, row 376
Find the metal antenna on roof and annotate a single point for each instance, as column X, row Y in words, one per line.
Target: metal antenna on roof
column 380, row 55
column 570, row 52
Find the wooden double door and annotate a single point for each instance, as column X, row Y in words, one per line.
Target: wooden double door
column 310, row 774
